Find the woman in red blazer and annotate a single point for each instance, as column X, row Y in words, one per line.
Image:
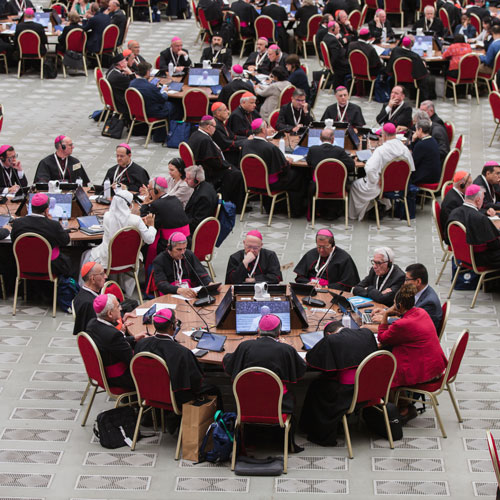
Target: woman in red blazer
column 413, row 341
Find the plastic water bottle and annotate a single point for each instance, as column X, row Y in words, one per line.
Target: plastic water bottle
column 170, row 69
column 64, row 220
column 282, row 145
column 346, row 321
column 106, row 189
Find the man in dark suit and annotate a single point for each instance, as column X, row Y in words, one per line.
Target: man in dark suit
column 135, row 47
column 217, row 53
column 429, row 22
column 374, row 62
column 117, row 17
column 294, row 116
column 119, row 76
column 96, row 23
column 322, row 31
column 396, row 111
column 240, row 121
column 224, row 137
column 256, row 59
column 425, row 298
column 338, row 55
column 490, row 181
column 29, row 24
column 237, row 83
column 454, row 198
column 425, row 152
column 126, row 172
column 247, row 14
column 380, row 25
column 438, row 129
column 275, row 57
column 40, row 222
column 479, row 8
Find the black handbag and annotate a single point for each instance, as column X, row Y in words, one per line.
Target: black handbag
column 73, row 60
column 113, row 127
column 249, row 466
column 374, row 420
column 115, row 428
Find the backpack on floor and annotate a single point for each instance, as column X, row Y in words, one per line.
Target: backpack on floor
column 115, row 428
column 374, row 420
column 222, row 432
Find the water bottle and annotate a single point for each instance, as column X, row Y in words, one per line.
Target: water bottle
column 346, row 320
column 79, row 182
column 282, row 145
column 64, row 220
column 171, row 69
column 107, row 189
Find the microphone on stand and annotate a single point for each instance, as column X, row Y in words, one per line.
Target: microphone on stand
column 197, row 335
column 333, row 302
column 313, row 302
column 205, row 301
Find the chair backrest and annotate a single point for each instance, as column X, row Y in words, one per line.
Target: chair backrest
column 136, row 105
column 98, row 74
column 445, row 309
column 76, row 40
column 195, row 104
column 449, row 166
column 109, row 38
column 195, row 12
column 113, row 288
column 186, row 154
column 456, row 356
column 312, row 27
column 204, row 237
column 372, row 4
column 494, row 100
column 457, row 236
column 403, row 70
column 450, row 130
column 203, row 20
column 426, row 3
column 330, row 176
column 286, row 95
column 355, row 19
column 157, row 63
column 264, row 27
column 446, row 187
column 445, row 19
column 258, row 393
column 60, row 8
column 234, row 100
column 325, row 55
column 29, row 44
column 475, row 20
column 492, row 447
column 393, row 6
column 125, row 33
column 494, row 85
column 373, row 378
column 107, row 93
column 468, row 68
column 273, row 118
column 92, row 360
column 254, row 172
column 358, row 62
column 436, row 215
column 124, row 249
column 145, row 367
column 1, row 117
column 395, row 176
column 33, row 257
column 460, row 143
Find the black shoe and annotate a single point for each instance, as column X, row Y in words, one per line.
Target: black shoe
column 412, row 413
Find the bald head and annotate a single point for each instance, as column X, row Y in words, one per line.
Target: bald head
column 327, row 135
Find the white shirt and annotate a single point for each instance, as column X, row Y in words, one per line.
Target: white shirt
column 418, row 294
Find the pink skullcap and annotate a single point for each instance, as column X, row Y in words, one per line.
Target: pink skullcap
column 162, row 316
column 472, row 190
column 325, row 232
column 238, row 69
column 255, row 233
column 389, row 128
column 269, row 322
column 364, row 31
column 461, row 174
column 161, row 181
column 379, row 10
column 59, row 138
column 257, row 123
column 29, row 11
column 274, row 47
column 126, row 52
column 378, row 132
column 176, row 39
column 39, row 199
column 340, row 87
column 406, row 42
column 177, row 236
column 86, row 268
column 263, row 38
column 491, row 163
column 206, row 118
column 331, row 24
column 4, row 148
column 216, row 106
column 124, row 145
column 100, row 302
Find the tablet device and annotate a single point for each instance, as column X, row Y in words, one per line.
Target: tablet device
column 212, row 342
column 303, row 289
column 223, row 309
column 83, row 200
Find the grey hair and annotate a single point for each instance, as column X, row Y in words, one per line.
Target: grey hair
column 197, row 172
column 419, row 115
column 428, row 104
column 388, row 252
column 108, row 307
column 425, row 126
column 472, row 197
column 245, row 99
column 259, row 129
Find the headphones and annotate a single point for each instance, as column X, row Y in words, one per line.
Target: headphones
column 60, row 142
column 195, row 178
column 155, row 190
column 170, row 320
column 169, row 243
column 125, row 199
column 464, row 183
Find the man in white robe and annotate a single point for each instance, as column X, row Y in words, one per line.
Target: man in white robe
column 365, row 190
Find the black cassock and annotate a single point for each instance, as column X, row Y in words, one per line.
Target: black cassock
column 223, row 56
column 481, row 233
column 353, row 114
column 165, row 272
column 48, row 170
column 452, row 200
column 228, row 141
column 83, row 306
column 133, row 177
column 185, row 372
column 240, row 122
column 269, row 353
column 267, row 268
column 327, row 399
column 341, row 272
column 10, row 177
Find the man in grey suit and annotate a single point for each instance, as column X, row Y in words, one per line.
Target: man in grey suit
column 425, row 298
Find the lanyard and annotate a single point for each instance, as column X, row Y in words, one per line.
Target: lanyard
column 259, row 60
column 385, row 280
column 117, row 177
column 176, row 60
column 297, row 121
column 61, row 170
column 178, row 271
column 214, row 58
column 393, row 112
column 7, row 174
column 319, row 270
column 250, row 275
column 340, row 117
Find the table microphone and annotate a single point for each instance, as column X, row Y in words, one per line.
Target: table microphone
column 333, row 302
column 205, row 301
column 313, row 302
column 200, row 316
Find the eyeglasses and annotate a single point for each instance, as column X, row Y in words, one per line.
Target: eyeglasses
column 377, row 263
column 250, row 247
column 323, row 247
column 409, row 279
column 12, row 157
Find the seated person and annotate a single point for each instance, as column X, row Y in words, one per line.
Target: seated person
column 429, row 22
column 176, row 55
column 272, row 92
column 415, row 344
column 216, row 53
column 237, row 83
column 253, row 264
column 126, row 172
column 267, row 352
column 73, row 22
column 380, row 27
column 61, row 166
column 343, row 110
column 28, row 23
column 327, row 265
column 374, row 63
column 454, row 198
column 95, row 22
column 178, row 270
column 384, row 279
column 454, row 53
column 115, row 348
column 438, row 131
column 40, row 222
column 298, row 76
column 256, row 60
column 489, row 180
column 396, row 111
column 328, row 150
column 465, row 28
column 425, row 152
column 294, row 116
column 275, row 57
column 242, row 117
column 119, row 76
column 13, row 176
column 176, row 180
column 329, row 396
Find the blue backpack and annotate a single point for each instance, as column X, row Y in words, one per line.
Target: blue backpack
column 227, row 219
column 222, row 432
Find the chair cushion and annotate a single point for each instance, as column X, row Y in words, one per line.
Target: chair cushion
column 431, row 386
column 119, row 390
column 158, row 404
column 432, row 186
column 487, row 76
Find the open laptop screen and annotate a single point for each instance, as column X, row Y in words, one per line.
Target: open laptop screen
column 248, row 314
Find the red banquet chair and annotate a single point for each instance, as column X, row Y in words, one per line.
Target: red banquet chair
column 330, row 177
column 436, row 215
column 135, row 4
column 75, row 41
column 98, row 75
column 450, row 130
column 137, row 110
column 273, row 118
column 492, row 448
column 204, row 239
column 206, row 31
column 445, row 310
column 61, row 9
column 446, row 187
column 360, row 70
column 395, row 7
column 371, row 4
column 123, row 254
column 1, row 117
column 494, row 100
column 30, row 46
column 355, row 18
column 108, row 98
column 259, row 393
column 256, row 179
column 97, row 375
column 423, row 5
column 447, row 172
column 395, row 177
column 113, row 288
column 475, row 20
column 186, row 154
column 264, row 27
column 463, row 253
column 325, row 56
column 234, row 100
column 312, row 28
column 488, row 77
column 434, row 389
column 402, row 68
column 286, row 95
column 33, row 261
column 372, row 383
column 195, row 105
column 145, row 367
column 445, row 19
column 109, row 42
column 468, row 69
column 460, row 143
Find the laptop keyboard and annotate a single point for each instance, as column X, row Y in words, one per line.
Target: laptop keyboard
column 366, row 317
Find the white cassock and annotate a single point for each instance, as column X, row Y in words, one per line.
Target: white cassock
column 365, row 190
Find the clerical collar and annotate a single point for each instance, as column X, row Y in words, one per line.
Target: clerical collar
column 467, row 204
column 90, row 290
column 164, row 336
column 261, row 138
